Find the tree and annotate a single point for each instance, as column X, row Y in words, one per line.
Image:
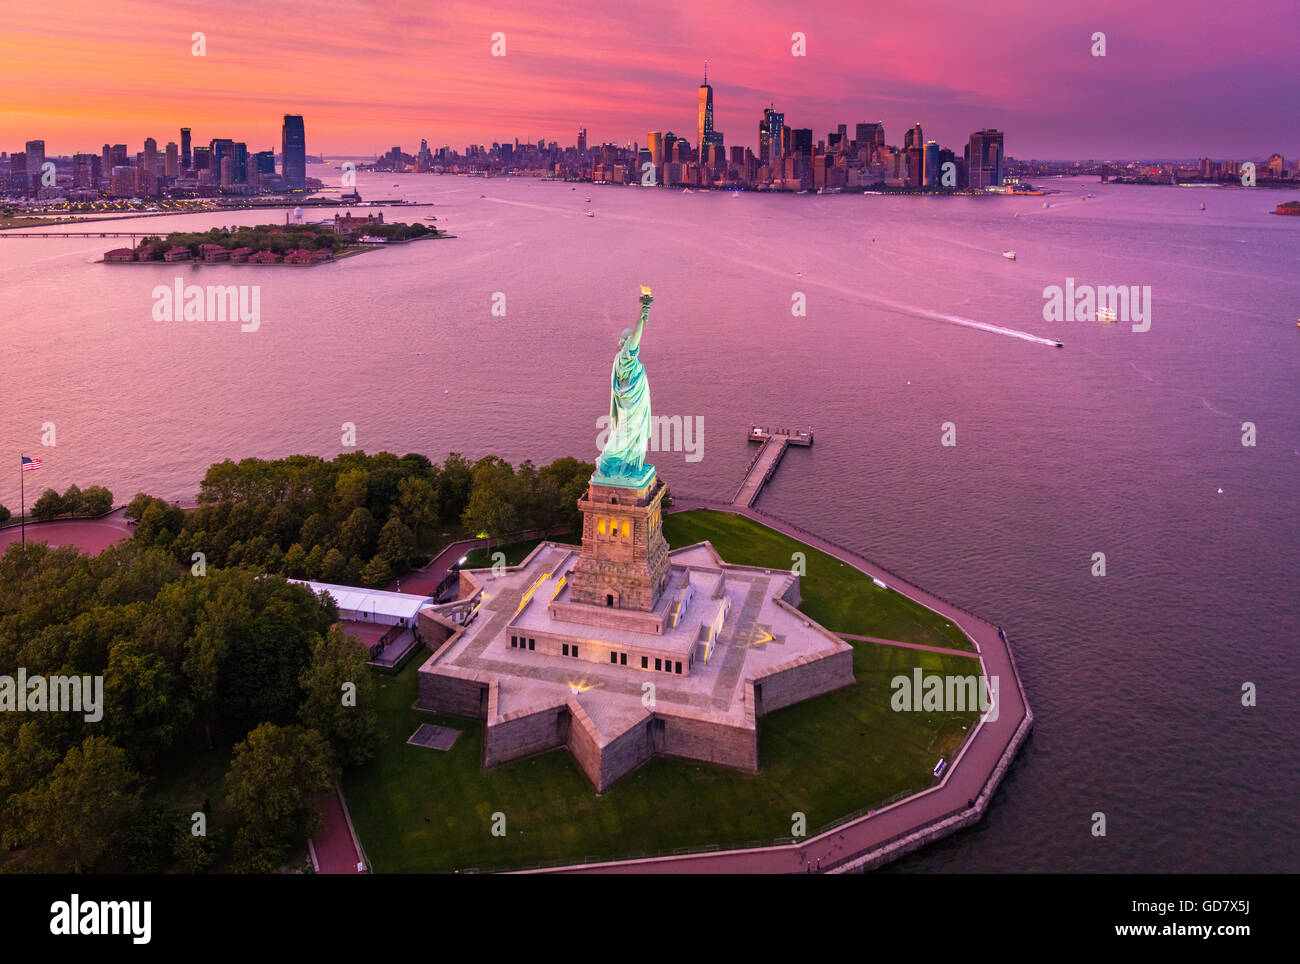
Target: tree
column 491, row 508
column 315, row 561
column 139, row 502
column 276, row 774
column 69, row 819
column 147, row 696
column 72, row 500
column 334, row 567
column 357, row 534
column 295, row 561
column 49, row 505
column 5, row 515
column 345, row 716
column 376, row 572
column 397, row 544
column 417, row 503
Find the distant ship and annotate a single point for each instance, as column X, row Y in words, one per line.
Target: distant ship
column 687, row 190
column 591, row 214
column 1009, row 255
column 1202, row 205
column 1107, row 315
column 588, row 200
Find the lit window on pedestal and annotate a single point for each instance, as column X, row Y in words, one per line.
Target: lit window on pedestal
column 627, row 528
column 600, row 527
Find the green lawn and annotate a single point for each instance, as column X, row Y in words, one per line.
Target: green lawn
column 841, row 598
column 421, row 810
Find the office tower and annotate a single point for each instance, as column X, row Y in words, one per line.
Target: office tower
column 801, row 141
column 186, row 157
column 772, row 137
column 670, row 144
column 240, row 155
column 654, row 142
column 35, row 161
column 264, row 162
column 293, row 146
column 930, row 164
column 203, row 158
column 841, row 138
column 914, row 157
column 118, row 156
column 705, row 119
column 985, row 154
column 227, row 170
column 582, row 141
column 948, row 157
column 150, row 165
column 913, row 137
column 172, row 161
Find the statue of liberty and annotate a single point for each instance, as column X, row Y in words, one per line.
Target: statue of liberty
column 622, row 461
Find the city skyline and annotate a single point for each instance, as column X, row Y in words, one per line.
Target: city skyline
column 394, row 74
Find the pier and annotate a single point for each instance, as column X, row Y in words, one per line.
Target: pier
column 774, row 442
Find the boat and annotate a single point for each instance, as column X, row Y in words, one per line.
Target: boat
column 591, row 214
column 588, row 200
column 1060, row 344
column 482, row 195
column 1009, row 255
column 1107, row 315
column 1202, row 205
column 1046, row 205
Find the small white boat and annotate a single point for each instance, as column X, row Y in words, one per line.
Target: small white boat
column 1202, row 205
column 591, row 214
column 687, row 190
column 588, row 200
column 1046, row 205
column 940, row 767
column 1009, row 255
column 1107, row 315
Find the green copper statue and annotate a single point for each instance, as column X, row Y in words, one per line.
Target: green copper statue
column 622, row 461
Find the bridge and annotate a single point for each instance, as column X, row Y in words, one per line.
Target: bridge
column 81, row 234
column 761, row 468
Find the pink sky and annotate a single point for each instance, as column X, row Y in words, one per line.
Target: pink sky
column 1179, row 79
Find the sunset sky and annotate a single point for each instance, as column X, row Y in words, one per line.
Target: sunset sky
column 1212, row 78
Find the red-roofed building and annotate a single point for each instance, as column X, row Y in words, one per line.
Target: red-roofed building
column 240, row 255
column 177, row 254
column 213, row 252
column 264, row 257
column 119, row 255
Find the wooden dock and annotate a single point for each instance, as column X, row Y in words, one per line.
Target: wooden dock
column 774, row 442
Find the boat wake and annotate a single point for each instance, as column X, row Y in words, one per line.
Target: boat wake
column 985, row 326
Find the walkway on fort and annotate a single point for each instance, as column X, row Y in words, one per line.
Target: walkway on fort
column 959, row 800
column 899, row 642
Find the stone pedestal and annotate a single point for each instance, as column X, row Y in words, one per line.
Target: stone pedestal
column 624, row 560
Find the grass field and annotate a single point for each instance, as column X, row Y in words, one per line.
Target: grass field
column 419, row 810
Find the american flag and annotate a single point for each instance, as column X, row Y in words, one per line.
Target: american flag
column 31, row 465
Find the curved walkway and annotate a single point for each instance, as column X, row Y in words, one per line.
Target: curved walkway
column 89, row 535
column 959, row 799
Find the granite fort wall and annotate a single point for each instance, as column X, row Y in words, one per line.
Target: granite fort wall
column 452, row 695
column 524, row 734
column 709, row 741
column 803, row 679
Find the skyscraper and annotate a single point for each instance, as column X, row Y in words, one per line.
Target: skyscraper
column 930, row 164
column 35, row 161
column 582, row 140
column 770, row 135
column 171, row 165
column 705, row 114
column 913, row 137
column 654, row 142
column 150, row 156
column 185, row 148
column 293, row 147
column 984, row 154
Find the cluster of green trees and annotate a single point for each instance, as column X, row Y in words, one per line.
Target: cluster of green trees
column 399, row 232
column 259, row 237
column 231, row 661
column 90, row 501
column 356, row 519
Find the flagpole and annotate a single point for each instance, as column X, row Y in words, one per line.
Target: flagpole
column 22, row 495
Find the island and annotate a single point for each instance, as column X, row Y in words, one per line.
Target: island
column 294, row 242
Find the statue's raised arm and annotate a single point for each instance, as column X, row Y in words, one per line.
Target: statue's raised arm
column 634, row 342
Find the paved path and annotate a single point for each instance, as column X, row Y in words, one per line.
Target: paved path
column 958, row 800
column 334, row 848
column 89, row 535
column 896, row 642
